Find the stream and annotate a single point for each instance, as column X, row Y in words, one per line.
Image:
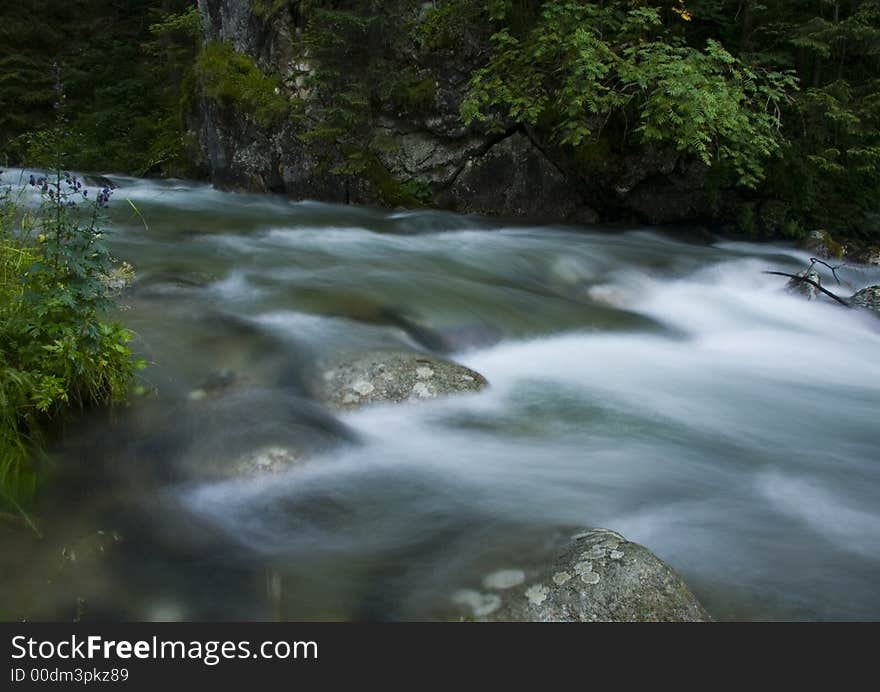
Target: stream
column 658, row 384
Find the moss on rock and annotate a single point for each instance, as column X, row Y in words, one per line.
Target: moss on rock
column 235, row 80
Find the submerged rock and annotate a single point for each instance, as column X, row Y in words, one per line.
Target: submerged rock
column 444, row 339
column 351, row 381
column 597, row 576
column 218, row 383
column 868, row 299
column 265, row 461
column 805, row 289
column 244, row 432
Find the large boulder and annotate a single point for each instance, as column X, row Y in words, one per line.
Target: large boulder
column 353, row 380
column 868, row 299
column 597, row 576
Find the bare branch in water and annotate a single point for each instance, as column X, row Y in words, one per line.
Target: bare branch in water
column 812, row 283
column 814, row 261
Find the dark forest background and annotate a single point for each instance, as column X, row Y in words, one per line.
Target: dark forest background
column 108, row 85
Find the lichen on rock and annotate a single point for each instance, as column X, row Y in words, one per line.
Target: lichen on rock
column 597, row 575
column 867, row 299
column 350, row 381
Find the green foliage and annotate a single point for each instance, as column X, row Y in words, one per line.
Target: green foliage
column 266, row 9
column 596, row 81
column 172, row 46
column 582, row 65
column 350, row 74
column 336, row 47
column 409, row 94
column 448, row 26
column 835, row 149
column 234, row 79
column 392, row 191
column 827, row 174
column 121, row 66
column 57, row 347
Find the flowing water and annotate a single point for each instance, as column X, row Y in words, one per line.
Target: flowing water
column 658, row 385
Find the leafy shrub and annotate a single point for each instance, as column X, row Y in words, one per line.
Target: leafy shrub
column 58, row 349
column 583, row 64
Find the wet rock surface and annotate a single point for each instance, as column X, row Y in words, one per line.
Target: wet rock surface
column 351, row 381
column 808, row 290
column 597, row 576
column 869, row 255
column 243, row 433
column 514, row 178
column 820, row 244
column 868, row 299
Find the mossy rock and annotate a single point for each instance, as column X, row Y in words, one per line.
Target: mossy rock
column 234, row 79
column 820, row 244
column 394, row 192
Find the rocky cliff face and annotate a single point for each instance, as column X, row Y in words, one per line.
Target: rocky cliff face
column 403, row 143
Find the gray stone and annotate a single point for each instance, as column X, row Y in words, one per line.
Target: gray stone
column 514, row 178
column 803, row 288
column 597, row 576
column 868, row 299
column 820, row 244
column 869, row 255
column 265, row 461
column 353, row 380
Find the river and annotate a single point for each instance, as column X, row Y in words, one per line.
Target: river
column 656, row 384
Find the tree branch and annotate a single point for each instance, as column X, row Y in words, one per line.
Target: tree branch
column 813, row 283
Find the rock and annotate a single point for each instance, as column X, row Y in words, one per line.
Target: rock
column 241, row 432
column 597, row 576
column 820, row 244
column 351, row 381
column 99, row 181
column 218, row 383
column 809, row 291
column 119, row 279
column 415, row 149
column 504, row 579
column 265, row 461
column 865, row 255
column 514, row 178
column 867, row 299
